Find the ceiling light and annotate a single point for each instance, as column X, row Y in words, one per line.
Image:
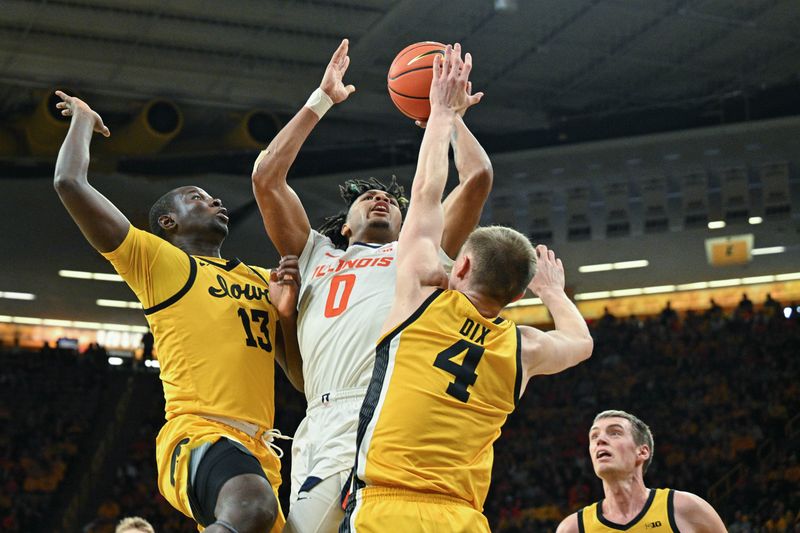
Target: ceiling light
column 787, row 277
column 716, row 224
column 525, row 301
column 71, row 324
column 640, row 263
column 658, row 289
column 119, row 303
column 115, row 361
column 757, row 279
column 626, row 292
column 595, row 268
column 80, row 274
column 717, row 283
column 755, row 220
column 17, row 295
column 592, row 295
column 693, row 286
column 768, row 250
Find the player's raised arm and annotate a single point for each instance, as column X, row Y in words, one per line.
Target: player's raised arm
column 464, row 204
column 570, row 343
column 418, row 260
column 103, row 225
column 285, row 219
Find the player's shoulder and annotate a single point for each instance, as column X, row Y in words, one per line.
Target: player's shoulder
column 694, row 513
column 569, row 524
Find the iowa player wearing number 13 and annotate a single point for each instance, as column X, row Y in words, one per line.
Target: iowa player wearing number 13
column 448, row 370
column 214, row 324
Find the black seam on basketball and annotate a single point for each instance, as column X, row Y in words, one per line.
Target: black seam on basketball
column 407, row 96
column 409, row 72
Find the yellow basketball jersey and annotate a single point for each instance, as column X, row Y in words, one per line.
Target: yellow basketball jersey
column 444, row 382
column 657, row 516
column 213, row 324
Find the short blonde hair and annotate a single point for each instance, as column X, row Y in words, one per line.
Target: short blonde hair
column 504, row 262
column 134, row 523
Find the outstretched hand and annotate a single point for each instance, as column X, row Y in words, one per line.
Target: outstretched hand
column 332, row 81
column 451, row 87
column 284, row 285
column 461, row 112
column 72, row 106
column 549, row 272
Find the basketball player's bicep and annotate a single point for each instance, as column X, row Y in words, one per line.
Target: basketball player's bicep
column 545, row 353
column 285, row 219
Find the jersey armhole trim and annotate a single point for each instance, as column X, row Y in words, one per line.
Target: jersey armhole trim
column 257, row 273
column 671, row 510
column 414, row 316
column 518, row 379
column 581, row 527
column 178, row 295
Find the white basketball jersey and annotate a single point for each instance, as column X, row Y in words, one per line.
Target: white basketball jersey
column 345, row 298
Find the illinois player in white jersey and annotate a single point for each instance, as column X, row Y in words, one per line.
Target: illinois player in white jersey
column 348, row 283
column 448, row 369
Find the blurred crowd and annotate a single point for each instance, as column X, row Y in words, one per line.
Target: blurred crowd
column 719, row 391
column 47, row 404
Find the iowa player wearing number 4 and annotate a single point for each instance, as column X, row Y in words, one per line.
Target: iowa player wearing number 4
column 621, row 449
column 448, row 370
column 348, row 270
column 215, row 328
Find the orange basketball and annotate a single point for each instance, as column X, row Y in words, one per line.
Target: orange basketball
column 410, row 76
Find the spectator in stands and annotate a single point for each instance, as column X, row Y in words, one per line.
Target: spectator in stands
column 134, row 524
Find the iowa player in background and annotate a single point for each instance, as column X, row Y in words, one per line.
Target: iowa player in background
column 448, row 369
column 214, row 323
column 348, row 282
column 621, row 449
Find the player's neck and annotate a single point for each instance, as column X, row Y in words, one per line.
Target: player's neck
column 488, row 308
column 371, row 237
column 624, row 498
column 197, row 246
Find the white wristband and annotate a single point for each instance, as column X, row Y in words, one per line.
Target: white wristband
column 319, row 102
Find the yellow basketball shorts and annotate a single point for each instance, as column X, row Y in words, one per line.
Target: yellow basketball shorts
column 380, row 509
column 184, row 433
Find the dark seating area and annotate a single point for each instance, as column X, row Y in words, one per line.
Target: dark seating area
column 718, row 390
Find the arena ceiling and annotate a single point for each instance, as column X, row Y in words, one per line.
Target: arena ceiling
column 554, row 72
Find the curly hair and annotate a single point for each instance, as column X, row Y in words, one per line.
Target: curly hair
column 350, row 190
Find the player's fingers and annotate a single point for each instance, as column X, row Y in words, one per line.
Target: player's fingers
column 350, row 89
column 469, row 88
column 551, row 255
column 105, row 131
column 421, row 123
column 61, row 105
column 66, row 112
column 560, row 264
column 63, row 95
column 345, row 63
column 340, row 52
column 437, row 67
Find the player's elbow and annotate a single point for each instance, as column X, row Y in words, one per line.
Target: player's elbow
column 479, row 181
column 585, row 348
column 65, row 185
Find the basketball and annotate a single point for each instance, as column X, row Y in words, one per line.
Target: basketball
column 410, row 76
